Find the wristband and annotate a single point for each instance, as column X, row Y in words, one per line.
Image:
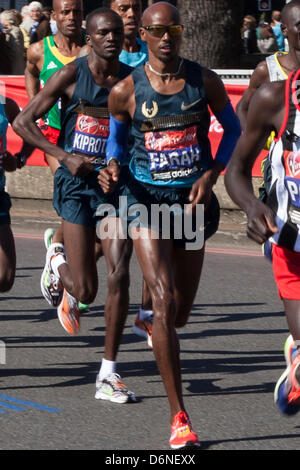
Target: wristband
column 117, row 141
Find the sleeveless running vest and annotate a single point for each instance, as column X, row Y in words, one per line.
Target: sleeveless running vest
column 276, row 72
column 170, row 145
column 284, row 197
column 53, row 61
column 85, row 119
column 3, row 130
column 134, row 59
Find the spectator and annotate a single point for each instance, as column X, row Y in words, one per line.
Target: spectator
column 6, row 61
column 276, row 26
column 267, row 43
column 248, row 34
column 11, row 19
column 41, row 26
column 25, row 26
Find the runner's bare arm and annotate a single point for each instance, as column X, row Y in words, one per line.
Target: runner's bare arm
column 259, row 76
column 265, row 114
column 35, row 57
column 121, row 103
column 25, row 123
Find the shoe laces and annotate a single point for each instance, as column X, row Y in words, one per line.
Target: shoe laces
column 292, row 384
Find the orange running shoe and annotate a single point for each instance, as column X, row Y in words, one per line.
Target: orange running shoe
column 143, row 328
column 182, row 434
column 69, row 314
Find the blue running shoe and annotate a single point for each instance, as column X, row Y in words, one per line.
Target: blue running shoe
column 290, row 350
column 287, row 390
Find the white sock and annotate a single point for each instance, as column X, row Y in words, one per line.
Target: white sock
column 56, row 262
column 145, row 314
column 107, row 367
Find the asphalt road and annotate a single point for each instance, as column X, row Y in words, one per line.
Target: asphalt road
column 231, row 355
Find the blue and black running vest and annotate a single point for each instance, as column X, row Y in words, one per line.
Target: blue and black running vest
column 170, row 132
column 85, row 119
column 3, row 130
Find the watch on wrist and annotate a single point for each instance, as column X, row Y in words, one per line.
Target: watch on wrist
column 21, row 159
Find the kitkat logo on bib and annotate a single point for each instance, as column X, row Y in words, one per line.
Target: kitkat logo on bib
column 292, row 164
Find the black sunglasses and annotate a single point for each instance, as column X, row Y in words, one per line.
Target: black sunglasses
column 159, row 31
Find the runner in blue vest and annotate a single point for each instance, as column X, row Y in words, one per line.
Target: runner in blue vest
column 70, row 272
column 164, row 103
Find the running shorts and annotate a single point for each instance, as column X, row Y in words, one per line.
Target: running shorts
column 51, row 134
column 77, row 200
column 149, row 195
column 5, row 205
column 286, row 268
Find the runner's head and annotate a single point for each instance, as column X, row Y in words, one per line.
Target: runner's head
column 105, row 33
column 131, row 14
column 162, row 31
column 290, row 18
column 68, row 16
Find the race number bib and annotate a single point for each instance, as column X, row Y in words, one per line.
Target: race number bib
column 292, row 183
column 173, row 154
column 90, row 137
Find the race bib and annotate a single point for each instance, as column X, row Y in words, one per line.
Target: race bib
column 90, row 137
column 173, row 154
column 292, row 183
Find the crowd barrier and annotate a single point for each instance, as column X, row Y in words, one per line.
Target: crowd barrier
column 14, row 87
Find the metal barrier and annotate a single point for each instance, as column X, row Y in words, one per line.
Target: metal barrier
column 237, row 77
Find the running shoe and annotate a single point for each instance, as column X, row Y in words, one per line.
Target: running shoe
column 68, row 314
column 113, row 389
column 83, row 307
column 287, row 390
column 290, row 350
column 48, row 235
column 143, row 328
column 182, row 434
column 51, row 285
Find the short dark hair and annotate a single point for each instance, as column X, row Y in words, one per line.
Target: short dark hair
column 98, row 11
column 107, row 3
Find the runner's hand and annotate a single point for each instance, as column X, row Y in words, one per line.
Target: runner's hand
column 8, row 162
column 261, row 222
column 78, row 165
column 201, row 191
column 109, row 176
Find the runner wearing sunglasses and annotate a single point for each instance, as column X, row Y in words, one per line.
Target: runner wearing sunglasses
column 165, row 105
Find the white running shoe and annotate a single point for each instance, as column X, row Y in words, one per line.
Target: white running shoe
column 51, row 285
column 48, row 235
column 113, row 389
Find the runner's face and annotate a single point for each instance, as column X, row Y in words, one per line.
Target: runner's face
column 167, row 47
column 68, row 16
column 106, row 36
column 131, row 13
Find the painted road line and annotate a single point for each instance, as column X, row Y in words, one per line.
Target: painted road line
column 29, row 403
column 12, row 407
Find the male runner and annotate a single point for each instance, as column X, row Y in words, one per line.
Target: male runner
column 44, row 58
column 166, row 104
column 275, row 68
column 83, row 87
column 8, row 112
column 275, row 107
column 134, row 53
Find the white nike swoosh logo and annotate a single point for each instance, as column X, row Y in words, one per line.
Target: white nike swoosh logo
column 188, row 106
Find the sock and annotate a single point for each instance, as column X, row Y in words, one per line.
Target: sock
column 56, row 262
column 107, row 367
column 144, row 314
